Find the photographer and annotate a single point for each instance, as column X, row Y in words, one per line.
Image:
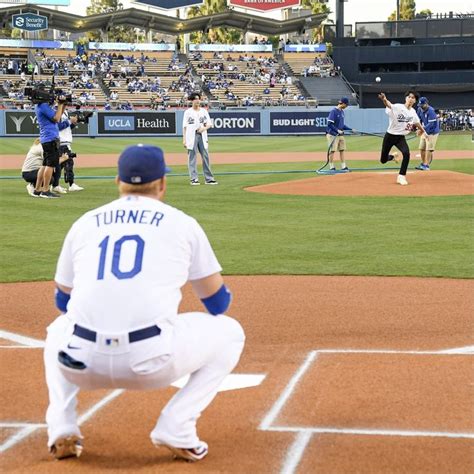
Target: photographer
column 33, row 163
column 48, row 119
column 65, row 139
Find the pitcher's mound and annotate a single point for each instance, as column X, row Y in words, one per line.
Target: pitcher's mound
column 421, row 183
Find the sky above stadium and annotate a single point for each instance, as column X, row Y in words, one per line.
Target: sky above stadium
column 355, row 10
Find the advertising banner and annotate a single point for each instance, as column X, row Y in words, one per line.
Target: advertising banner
column 137, row 123
column 25, row 123
column 264, row 5
column 305, row 48
column 171, row 4
column 230, row 48
column 298, row 122
column 132, row 46
column 30, row 22
column 14, row 43
column 235, row 123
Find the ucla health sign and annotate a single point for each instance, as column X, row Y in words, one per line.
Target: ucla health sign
column 298, row 122
column 30, row 22
column 135, row 123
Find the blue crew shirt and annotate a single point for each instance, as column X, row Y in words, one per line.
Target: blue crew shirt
column 336, row 121
column 49, row 130
column 429, row 119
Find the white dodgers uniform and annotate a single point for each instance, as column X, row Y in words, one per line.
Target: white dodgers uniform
column 196, row 142
column 126, row 263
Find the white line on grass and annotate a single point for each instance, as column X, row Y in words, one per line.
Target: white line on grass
column 295, row 452
column 26, row 341
column 286, row 394
column 370, row 432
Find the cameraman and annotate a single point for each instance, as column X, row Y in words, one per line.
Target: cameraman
column 48, row 119
column 65, row 139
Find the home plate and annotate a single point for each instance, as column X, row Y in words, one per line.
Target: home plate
column 231, row 382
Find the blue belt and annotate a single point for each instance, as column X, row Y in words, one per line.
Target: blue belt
column 133, row 336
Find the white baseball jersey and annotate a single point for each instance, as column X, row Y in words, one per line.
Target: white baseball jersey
column 65, row 135
column 127, row 261
column 192, row 121
column 34, row 159
column 401, row 119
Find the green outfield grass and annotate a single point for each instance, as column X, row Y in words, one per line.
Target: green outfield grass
column 255, row 233
column 447, row 141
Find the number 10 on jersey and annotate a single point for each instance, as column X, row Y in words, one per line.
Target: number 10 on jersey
column 116, row 255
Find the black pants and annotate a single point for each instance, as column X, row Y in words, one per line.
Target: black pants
column 51, row 153
column 398, row 141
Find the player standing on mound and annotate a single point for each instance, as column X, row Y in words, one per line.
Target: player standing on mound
column 402, row 120
column 119, row 280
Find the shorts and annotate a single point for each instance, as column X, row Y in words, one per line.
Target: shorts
column 428, row 144
column 30, row 176
column 337, row 143
column 51, row 153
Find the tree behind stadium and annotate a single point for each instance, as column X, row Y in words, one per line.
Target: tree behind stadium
column 120, row 34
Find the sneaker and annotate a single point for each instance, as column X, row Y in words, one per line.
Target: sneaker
column 332, row 170
column 396, row 157
column 59, row 190
column 194, row 182
column 48, row 195
column 30, row 189
column 402, row 180
column 346, row 169
column 66, row 447
column 426, row 167
column 211, row 181
column 36, row 194
column 188, row 454
column 75, row 187
column 420, row 167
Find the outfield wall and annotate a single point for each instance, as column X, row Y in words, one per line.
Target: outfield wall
column 231, row 122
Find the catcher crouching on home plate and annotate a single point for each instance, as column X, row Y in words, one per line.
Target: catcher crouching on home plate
column 119, row 279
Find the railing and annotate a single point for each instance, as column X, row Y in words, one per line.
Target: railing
column 416, row 29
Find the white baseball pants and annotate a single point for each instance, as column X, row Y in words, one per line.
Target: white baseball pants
column 204, row 346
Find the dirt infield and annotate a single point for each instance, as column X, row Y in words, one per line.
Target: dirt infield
column 98, row 161
column 376, row 378
column 421, row 183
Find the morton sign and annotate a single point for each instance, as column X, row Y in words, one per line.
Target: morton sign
column 264, row 5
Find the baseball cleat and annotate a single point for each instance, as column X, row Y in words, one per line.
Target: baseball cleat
column 66, row 447
column 188, row 454
column 346, row 169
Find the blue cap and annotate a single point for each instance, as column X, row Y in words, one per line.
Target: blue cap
column 344, row 100
column 422, row 101
column 140, row 164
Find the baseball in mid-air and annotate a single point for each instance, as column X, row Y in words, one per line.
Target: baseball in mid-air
column 378, row 79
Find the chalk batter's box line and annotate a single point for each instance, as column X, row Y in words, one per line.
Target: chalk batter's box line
column 304, row 434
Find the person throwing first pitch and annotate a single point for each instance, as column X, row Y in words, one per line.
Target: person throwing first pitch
column 402, row 120
column 196, row 123
column 119, row 279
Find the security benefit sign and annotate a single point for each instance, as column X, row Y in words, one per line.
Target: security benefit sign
column 135, row 123
column 26, row 123
column 30, row 22
column 235, row 123
column 298, row 122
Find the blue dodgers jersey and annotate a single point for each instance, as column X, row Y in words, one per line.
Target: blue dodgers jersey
column 430, row 120
column 49, row 130
column 335, row 121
